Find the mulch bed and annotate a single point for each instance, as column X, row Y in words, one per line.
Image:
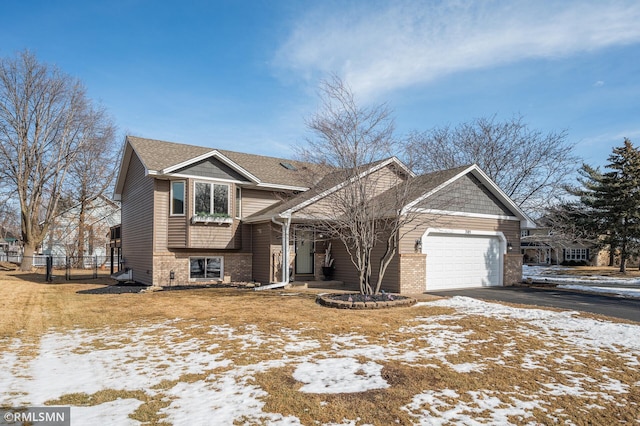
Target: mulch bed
column 361, row 301
column 116, row 289
column 123, row 288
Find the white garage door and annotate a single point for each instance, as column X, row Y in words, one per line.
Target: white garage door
column 462, row 261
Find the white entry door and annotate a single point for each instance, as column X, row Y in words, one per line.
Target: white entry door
column 304, row 252
column 462, row 260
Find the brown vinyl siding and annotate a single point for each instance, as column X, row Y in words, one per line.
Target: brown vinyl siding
column 377, row 183
column 214, row 236
column 510, row 228
column 384, row 179
column 254, row 200
column 346, row 272
column 177, row 225
column 161, row 215
column 137, row 219
column 247, row 237
column 261, row 241
column 177, row 228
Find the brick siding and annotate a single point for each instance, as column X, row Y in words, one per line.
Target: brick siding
column 237, row 267
column 512, row 269
column 413, row 270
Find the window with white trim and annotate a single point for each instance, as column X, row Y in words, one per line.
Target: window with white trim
column 211, row 199
column 576, row 254
column 177, row 198
column 206, row 268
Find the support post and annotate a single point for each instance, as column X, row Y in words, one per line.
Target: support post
column 49, row 274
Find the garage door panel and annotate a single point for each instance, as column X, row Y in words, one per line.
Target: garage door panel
column 461, row 260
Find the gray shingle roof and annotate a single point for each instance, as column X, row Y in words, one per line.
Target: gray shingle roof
column 158, row 155
column 418, row 186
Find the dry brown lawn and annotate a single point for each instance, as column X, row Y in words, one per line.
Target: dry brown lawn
column 187, row 347
column 605, row 271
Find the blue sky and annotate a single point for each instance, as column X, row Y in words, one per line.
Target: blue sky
column 243, row 75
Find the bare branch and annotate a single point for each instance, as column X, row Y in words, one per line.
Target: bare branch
column 363, row 197
column 45, row 120
column 531, row 167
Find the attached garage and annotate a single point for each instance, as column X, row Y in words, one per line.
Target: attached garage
column 463, row 259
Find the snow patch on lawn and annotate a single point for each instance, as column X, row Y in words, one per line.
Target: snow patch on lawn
column 339, row 375
column 110, row 413
column 227, row 360
column 582, row 332
column 446, row 407
column 221, row 401
column 68, row 363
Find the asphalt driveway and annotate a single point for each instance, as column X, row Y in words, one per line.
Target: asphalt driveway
column 616, row 307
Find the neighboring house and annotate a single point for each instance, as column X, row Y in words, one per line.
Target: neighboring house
column 100, row 215
column 199, row 215
column 10, row 247
column 541, row 246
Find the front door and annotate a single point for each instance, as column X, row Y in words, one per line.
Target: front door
column 304, row 252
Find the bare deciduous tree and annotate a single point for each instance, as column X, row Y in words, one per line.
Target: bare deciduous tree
column 45, row 118
column 92, row 173
column 529, row 166
column 360, row 205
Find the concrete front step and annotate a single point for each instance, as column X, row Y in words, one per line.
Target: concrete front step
column 316, row 284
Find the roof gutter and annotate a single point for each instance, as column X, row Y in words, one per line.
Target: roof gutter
column 286, row 227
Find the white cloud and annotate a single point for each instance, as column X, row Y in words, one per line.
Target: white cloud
column 614, row 138
column 598, row 83
column 380, row 47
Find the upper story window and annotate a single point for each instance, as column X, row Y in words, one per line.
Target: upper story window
column 177, row 198
column 238, row 202
column 211, row 198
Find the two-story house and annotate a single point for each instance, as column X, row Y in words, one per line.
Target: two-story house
column 194, row 214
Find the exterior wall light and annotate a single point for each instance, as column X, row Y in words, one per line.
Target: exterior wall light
column 418, row 245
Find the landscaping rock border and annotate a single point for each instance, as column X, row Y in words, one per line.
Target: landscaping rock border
column 398, row 302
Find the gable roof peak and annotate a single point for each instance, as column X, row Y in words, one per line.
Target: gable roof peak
column 164, row 158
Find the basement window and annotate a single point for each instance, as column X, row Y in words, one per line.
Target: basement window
column 205, row 268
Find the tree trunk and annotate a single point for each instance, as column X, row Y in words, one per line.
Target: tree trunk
column 611, row 255
column 81, row 231
column 623, row 258
column 27, row 257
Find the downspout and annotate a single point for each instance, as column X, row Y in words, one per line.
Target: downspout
column 286, row 225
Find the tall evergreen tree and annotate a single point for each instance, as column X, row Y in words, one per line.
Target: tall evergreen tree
column 612, row 200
